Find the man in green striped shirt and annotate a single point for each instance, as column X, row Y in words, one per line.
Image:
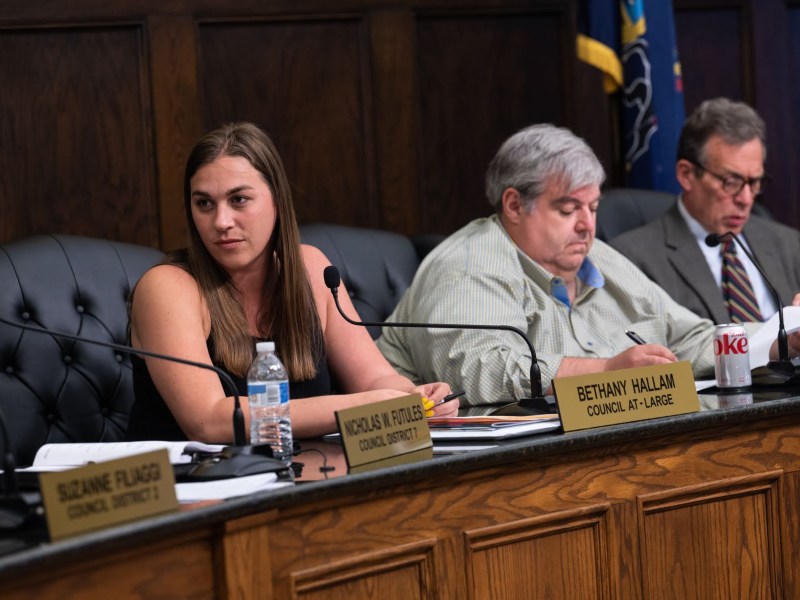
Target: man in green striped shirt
column 536, row 265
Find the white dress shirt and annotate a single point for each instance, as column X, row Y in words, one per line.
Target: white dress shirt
column 766, row 301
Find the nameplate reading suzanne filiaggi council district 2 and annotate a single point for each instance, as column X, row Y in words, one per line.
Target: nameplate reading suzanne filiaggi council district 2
column 626, row 395
column 108, row 493
column 385, row 433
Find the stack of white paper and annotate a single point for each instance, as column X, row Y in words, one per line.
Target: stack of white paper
column 56, row 457
column 59, row 457
column 221, row 489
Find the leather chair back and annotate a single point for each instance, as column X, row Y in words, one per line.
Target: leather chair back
column 52, row 390
column 623, row 209
column 376, row 266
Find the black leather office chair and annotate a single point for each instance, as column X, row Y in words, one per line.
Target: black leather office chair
column 53, row 390
column 623, row 209
column 376, row 266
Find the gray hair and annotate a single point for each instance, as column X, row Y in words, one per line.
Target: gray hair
column 536, row 155
column 735, row 122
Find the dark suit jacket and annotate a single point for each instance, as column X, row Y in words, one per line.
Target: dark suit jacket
column 668, row 253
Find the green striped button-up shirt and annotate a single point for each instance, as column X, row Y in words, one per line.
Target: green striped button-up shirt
column 479, row 276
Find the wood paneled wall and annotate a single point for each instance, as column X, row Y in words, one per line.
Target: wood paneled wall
column 385, row 113
column 750, row 50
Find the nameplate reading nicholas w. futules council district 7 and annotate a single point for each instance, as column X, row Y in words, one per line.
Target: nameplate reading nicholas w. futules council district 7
column 385, row 433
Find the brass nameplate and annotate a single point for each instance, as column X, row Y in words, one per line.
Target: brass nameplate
column 392, row 429
column 624, row 396
column 108, row 493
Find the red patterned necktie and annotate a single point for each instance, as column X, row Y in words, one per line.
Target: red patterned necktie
column 736, row 287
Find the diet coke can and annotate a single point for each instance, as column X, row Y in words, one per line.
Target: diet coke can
column 731, row 356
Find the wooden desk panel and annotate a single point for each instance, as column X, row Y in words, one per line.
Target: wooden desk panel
column 177, row 568
column 699, row 512
column 674, row 518
column 718, row 540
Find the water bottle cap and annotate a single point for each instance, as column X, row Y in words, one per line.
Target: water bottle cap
column 265, row 347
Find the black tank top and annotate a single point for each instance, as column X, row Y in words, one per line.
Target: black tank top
column 151, row 419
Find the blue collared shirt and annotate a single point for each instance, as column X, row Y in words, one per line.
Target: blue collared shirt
column 587, row 274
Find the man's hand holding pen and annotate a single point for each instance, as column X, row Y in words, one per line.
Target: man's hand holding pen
column 640, row 355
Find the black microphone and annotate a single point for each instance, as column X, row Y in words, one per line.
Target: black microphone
column 784, row 364
column 235, row 461
column 536, row 404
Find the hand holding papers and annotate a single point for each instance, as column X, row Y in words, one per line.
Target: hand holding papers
column 761, row 341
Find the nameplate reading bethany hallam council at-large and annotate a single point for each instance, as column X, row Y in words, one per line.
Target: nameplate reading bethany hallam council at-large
column 626, row 395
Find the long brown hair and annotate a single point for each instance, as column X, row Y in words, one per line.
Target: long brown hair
column 292, row 320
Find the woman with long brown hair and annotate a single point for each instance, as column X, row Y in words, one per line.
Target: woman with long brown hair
column 245, row 277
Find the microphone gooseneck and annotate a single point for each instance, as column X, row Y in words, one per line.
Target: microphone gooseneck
column 235, row 461
column 239, row 437
column 9, row 460
column 537, row 401
column 783, row 364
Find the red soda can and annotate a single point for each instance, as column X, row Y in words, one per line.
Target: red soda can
column 731, row 356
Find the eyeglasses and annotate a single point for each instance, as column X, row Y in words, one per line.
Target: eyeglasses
column 733, row 184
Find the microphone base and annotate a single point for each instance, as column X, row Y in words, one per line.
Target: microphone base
column 16, row 511
column 785, row 367
column 777, row 372
column 237, row 461
column 525, row 407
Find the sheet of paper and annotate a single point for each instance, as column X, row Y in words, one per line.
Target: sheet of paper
column 704, row 384
column 489, row 420
column 461, row 447
column 493, row 432
column 766, row 334
column 75, row 455
column 228, row 488
column 482, row 427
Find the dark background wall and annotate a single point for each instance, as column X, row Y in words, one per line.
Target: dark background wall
column 386, row 113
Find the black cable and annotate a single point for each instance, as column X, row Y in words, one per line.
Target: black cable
column 325, row 468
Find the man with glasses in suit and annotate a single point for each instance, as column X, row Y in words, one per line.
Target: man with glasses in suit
column 720, row 168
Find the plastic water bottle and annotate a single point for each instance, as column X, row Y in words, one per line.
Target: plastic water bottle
column 268, row 391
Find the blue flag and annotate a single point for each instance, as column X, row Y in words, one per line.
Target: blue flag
column 633, row 43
